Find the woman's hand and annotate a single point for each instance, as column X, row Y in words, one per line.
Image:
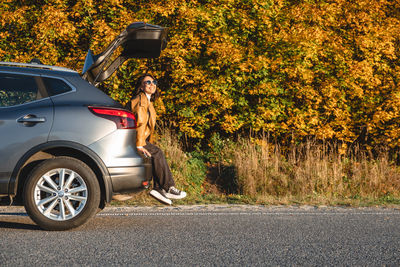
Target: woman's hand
column 144, row 151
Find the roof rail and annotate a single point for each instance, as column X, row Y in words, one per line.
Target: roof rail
column 35, row 66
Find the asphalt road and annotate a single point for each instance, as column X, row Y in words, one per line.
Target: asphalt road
column 208, row 235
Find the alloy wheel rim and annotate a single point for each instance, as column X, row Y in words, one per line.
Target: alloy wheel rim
column 60, row 194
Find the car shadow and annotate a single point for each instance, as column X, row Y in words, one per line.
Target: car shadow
column 18, row 225
column 17, row 220
column 13, row 214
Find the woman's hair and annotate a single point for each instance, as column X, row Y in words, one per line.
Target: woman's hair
column 139, row 83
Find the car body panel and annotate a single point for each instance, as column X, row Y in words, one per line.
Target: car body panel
column 77, row 124
column 130, row 179
column 127, row 169
column 71, row 110
column 118, row 149
column 16, row 138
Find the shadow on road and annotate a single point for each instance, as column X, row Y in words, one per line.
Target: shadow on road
column 18, row 225
column 17, row 220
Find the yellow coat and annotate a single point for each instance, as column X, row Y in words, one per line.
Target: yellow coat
column 145, row 118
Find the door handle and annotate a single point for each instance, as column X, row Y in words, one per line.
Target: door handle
column 30, row 120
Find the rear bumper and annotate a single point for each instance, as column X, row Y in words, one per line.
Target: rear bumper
column 130, row 179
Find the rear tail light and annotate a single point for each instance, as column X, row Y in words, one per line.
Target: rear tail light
column 122, row 118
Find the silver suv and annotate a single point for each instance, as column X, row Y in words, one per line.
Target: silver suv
column 65, row 146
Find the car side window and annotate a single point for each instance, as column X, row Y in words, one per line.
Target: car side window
column 56, row 86
column 17, row 89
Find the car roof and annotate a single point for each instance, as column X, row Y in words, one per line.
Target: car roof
column 35, row 68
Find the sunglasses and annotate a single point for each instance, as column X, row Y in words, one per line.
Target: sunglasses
column 150, row 82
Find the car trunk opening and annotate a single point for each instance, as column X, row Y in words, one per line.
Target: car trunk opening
column 138, row 40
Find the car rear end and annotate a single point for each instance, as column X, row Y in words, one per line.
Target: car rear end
column 91, row 118
column 129, row 172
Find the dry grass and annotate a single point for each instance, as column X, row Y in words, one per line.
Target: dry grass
column 313, row 170
column 257, row 171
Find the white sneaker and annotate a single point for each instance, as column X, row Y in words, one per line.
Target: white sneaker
column 159, row 194
column 175, row 193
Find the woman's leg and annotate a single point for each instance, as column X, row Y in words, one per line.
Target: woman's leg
column 162, row 176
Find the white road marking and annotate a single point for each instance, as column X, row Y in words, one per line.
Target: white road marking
column 228, row 210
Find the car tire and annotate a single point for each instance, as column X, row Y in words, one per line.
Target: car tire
column 61, row 193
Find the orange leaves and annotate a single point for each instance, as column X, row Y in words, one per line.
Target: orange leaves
column 52, row 25
column 104, row 35
column 230, row 124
